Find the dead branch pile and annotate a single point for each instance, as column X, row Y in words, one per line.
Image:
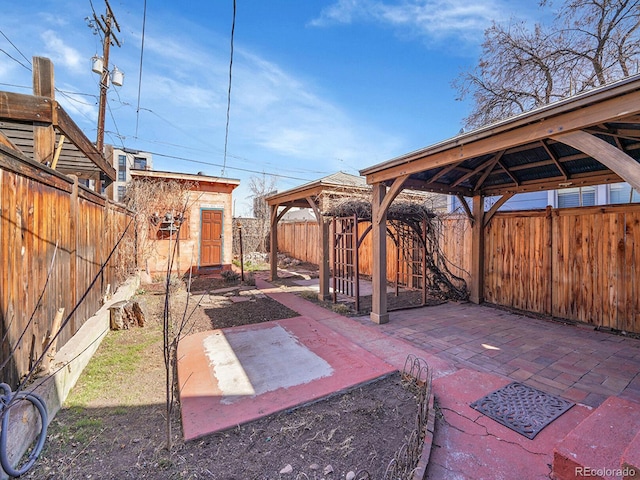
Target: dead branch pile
column 425, row 227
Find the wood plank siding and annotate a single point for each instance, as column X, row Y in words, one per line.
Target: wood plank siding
column 49, row 223
column 578, row 264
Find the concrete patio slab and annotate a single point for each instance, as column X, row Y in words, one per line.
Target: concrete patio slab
column 232, row 376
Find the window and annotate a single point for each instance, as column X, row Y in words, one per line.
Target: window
column 122, row 168
column 576, row 197
column 165, row 227
column 122, row 191
column 623, row 193
column 139, row 163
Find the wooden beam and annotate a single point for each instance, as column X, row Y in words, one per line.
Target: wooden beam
column 324, row 270
column 477, row 251
column 273, row 243
column 389, row 196
column 478, row 169
column 626, row 167
column 56, row 156
column 488, row 170
column 511, row 175
column 43, row 78
column 4, row 140
column 25, row 108
column 71, row 131
column 379, row 312
column 283, row 212
column 411, row 184
column 465, row 207
column 555, row 160
column 444, row 171
column 495, row 207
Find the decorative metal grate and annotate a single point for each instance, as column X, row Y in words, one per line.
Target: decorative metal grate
column 522, row 408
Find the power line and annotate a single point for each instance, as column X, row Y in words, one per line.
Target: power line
column 260, row 172
column 17, row 50
column 226, row 130
column 144, row 23
column 14, row 59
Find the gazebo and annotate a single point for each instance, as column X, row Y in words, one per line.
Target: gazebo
column 590, row 139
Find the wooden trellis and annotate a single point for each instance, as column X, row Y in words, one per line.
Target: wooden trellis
column 411, row 257
column 411, row 254
column 346, row 276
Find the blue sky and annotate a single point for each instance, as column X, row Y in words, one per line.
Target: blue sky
column 317, row 87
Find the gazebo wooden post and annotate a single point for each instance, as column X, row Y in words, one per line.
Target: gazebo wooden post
column 273, row 243
column 477, row 251
column 379, row 312
column 324, row 293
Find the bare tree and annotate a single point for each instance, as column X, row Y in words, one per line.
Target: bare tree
column 261, row 187
column 152, row 201
column 589, row 44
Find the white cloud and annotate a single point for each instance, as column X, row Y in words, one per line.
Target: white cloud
column 435, row 19
column 62, row 54
column 284, row 115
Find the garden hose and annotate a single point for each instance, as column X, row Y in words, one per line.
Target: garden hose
column 8, row 400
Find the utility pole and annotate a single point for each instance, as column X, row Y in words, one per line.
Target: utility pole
column 105, row 24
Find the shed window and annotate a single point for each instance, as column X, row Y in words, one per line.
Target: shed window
column 164, row 227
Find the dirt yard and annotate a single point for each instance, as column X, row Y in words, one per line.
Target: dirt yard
column 114, row 426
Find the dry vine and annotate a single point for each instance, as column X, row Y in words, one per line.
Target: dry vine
column 426, row 227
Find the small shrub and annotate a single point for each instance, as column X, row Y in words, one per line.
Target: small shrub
column 250, row 279
column 308, row 295
column 230, row 276
column 341, row 308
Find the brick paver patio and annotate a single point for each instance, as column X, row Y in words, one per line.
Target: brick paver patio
column 577, row 362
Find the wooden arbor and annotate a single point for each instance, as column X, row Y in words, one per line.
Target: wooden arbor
column 315, row 195
column 590, row 139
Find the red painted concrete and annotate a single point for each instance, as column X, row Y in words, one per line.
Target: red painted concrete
column 631, row 459
column 598, row 443
column 471, row 445
column 474, row 350
column 205, row 409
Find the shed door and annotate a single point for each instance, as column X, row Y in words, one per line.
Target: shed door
column 211, row 238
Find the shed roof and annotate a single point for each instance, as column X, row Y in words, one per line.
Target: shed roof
column 189, row 177
column 592, row 138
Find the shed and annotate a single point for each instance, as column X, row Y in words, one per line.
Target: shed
column 589, row 139
column 206, row 242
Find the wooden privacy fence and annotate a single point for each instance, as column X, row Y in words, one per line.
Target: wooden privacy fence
column 55, row 236
column 579, row 264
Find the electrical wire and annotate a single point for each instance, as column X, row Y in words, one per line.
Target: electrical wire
column 226, row 130
column 17, row 50
column 191, row 160
column 144, row 23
